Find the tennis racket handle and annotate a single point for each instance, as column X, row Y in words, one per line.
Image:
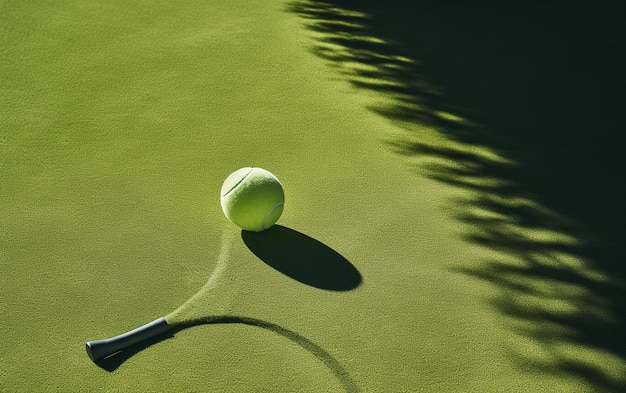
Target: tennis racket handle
column 100, row 349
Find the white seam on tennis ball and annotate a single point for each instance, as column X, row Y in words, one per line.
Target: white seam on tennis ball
column 269, row 214
column 239, row 182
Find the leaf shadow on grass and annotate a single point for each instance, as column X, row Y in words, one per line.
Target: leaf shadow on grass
column 113, row 362
column 529, row 98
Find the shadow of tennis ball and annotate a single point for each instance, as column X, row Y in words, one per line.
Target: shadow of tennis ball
column 303, row 258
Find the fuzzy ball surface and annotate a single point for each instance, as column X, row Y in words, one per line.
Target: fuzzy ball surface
column 252, row 198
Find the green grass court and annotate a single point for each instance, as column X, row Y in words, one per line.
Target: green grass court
column 454, row 216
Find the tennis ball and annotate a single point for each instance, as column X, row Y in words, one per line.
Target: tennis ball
column 252, row 199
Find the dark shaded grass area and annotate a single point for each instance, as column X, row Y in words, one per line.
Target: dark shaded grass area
column 541, row 84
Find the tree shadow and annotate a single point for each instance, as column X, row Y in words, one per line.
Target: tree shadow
column 303, row 258
column 113, row 362
column 529, row 99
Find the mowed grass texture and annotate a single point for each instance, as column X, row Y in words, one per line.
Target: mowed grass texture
column 118, row 124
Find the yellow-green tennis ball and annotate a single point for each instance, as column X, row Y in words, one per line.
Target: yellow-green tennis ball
column 252, row 198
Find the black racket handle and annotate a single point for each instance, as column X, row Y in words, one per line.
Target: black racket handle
column 100, row 349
